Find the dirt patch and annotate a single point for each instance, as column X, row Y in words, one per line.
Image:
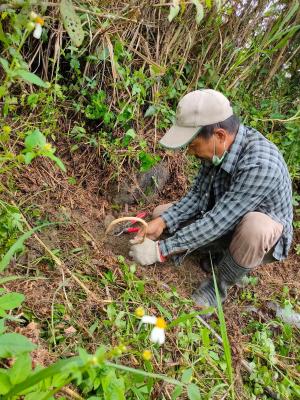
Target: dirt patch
column 184, row 278
column 80, row 242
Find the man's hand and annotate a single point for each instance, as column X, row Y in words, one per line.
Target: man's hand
column 146, row 253
column 155, row 228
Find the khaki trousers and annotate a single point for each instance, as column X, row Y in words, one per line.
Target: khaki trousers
column 250, row 244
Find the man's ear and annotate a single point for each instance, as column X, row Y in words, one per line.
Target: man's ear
column 221, row 134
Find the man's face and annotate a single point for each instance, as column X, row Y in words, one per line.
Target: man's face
column 202, row 148
column 207, row 148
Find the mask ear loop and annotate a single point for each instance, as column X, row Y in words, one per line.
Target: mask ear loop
column 214, row 145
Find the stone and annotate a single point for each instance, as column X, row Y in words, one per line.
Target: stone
column 144, row 186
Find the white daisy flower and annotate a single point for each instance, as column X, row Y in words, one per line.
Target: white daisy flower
column 37, row 33
column 37, row 23
column 158, row 332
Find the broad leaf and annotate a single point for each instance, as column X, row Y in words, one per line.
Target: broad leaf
column 174, row 11
column 29, row 156
column 5, row 384
column 3, row 38
column 193, row 392
column 187, row 375
column 2, row 327
column 12, row 344
column 129, row 135
column 57, row 160
column 30, row 78
column 200, row 11
column 3, row 91
column 71, row 22
column 176, row 392
column 113, row 387
column 11, row 300
column 151, row 110
column 21, row 369
column 4, row 64
column 35, row 140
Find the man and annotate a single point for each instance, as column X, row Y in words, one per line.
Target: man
column 241, row 200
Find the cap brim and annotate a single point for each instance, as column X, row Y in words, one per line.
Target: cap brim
column 179, row 136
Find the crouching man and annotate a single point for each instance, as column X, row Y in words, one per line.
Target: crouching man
column 240, row 206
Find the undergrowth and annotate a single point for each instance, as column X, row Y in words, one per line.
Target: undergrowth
column 106, row 81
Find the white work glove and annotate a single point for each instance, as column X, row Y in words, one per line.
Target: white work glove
column 146, row 253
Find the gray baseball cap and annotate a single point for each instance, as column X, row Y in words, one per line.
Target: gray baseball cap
column 195, row 110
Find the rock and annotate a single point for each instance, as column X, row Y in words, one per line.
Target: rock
column 143, row 186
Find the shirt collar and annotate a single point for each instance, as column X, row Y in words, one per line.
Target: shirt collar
column 233, row 154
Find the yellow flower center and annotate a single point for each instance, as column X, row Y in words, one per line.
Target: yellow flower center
column 139, row 312
column 147, row 355
column 161, row 323
column 47, row 147
column 39, row 20
column 6, row 129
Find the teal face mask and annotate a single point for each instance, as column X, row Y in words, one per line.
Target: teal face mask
column 218, row 160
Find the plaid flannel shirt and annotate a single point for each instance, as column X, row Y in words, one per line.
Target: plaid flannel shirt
column 252, row 177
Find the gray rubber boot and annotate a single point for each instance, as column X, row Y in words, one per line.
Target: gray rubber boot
column 228, row 273
column 206, row 261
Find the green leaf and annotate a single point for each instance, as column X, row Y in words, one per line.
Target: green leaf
column 30, row 78
column 3, row 38
column 104, row 54
column 147, row 161
column 174, row 11
column 39, row 395
column 224, row 335
column 21, row 369
column 199, row 10
column 113, row 387
column 219, row 4
column 11, row 300
column 129, row 135
column 71, row 22
column 187, row 375
column 208, row 4
column 176, row 392
column 12, row 344
column 57, row 160
column 3, row 91
column 4, row 64
column 157, row 70
column 18, row 245
column 2, row 327
column 151, row 110
column 5, row 384
column 41, row 375
column 193, row 392
column 29, row 156
column 35, row 140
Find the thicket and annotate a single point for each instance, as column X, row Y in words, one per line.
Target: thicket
column 106, row 79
